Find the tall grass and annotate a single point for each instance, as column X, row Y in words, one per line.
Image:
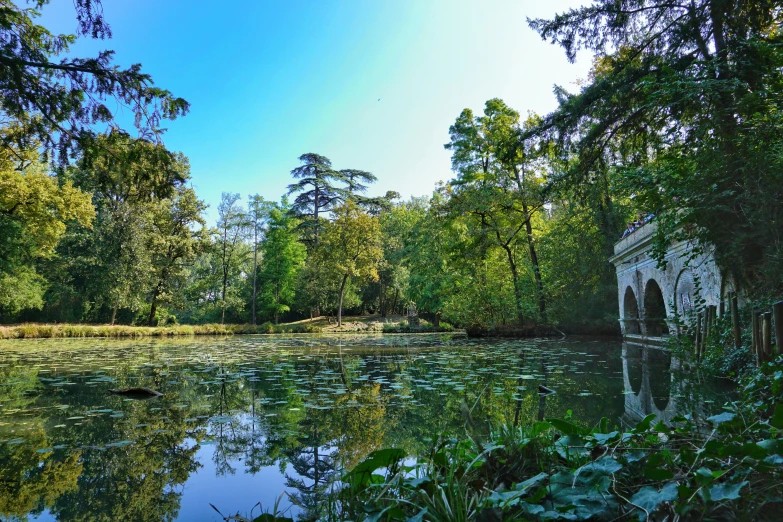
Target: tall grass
column 41, row 331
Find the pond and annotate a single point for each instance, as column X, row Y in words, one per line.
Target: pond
column 246, row 418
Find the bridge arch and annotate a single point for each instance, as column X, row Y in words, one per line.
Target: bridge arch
column 654, row 310
column 631, row 312
column 663, row 291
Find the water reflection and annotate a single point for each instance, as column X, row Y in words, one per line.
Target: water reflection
column 654, row 382
column 243, row 419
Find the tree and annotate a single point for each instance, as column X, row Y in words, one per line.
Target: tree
column 232, row 228
column 682, row 108
column 351, row 247
column 178, row 236
column 34, row 212
column 423, row 232
column 498, row 183
column 283, row 257
column 128, row 178
column 58, row 102
column 258, row 211
column 318, row 191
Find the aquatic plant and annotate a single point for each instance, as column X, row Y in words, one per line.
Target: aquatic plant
column 728, row 466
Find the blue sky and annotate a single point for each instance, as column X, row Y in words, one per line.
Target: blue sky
column 371, row 84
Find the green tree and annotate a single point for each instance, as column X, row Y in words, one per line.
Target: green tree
column 318, row 191
column 58, row 98
column 177, row 238
column 351, row 248
column 34, row 212
column 498, row 183
column 127, row 178
column 231, row 231
column 258, row 211
column 283, row 258
column 683, row 109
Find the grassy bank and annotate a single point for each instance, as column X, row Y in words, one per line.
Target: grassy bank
column 357, row 324
column 43, row 331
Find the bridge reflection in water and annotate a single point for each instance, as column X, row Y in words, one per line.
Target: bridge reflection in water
column 655, row 382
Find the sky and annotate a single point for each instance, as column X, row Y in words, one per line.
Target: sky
column 370, row 84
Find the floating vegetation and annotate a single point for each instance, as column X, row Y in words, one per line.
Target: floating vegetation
column 245, row 404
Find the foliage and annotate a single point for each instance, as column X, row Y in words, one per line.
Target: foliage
column 56, row 99
column 350, row 248
column 321, row 188
column 727, row 466
column 682, row 109
column 34, row 211
column 283, row 257
column 229, row 250
column 498, row 186
column 178, row 237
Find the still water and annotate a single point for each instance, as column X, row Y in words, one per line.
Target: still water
column 244, row 419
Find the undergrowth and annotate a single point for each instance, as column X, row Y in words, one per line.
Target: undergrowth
column 726, row 467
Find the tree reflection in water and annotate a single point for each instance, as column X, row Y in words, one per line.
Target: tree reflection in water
column 300, row 408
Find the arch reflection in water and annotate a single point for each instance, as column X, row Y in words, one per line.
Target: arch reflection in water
column 655, row 382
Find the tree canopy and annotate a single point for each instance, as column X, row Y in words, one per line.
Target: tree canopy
column 57, row 100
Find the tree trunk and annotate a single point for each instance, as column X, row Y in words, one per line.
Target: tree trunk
column 340, row 305
column 223, row 299
column 534, row 262
column 315, row 213
column 255, row 264
column 153, row 308
column 114, row 313
column 515, row 279
column 396, row 295
column 277, row 303
column 382, row 303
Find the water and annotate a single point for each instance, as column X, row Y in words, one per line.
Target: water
column 244, row 419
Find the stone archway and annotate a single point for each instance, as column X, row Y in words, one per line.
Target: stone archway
column 631, row 313
column 654, row 310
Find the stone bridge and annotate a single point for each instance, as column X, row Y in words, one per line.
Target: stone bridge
column 651, row 298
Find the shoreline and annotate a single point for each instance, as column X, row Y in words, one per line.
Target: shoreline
column 84, row 331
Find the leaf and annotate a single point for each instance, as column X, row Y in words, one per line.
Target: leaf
column 720, row 492
column 603, row 466
column 603, row 438
column 658, row 474
column 418, row 517
column 644, row 424
column 721, row 418
column 565, row 427
column 539, row 428
column 777, row 419
column 571, row 446
column 530, row 482
column 361, row 475
column 649, row 498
